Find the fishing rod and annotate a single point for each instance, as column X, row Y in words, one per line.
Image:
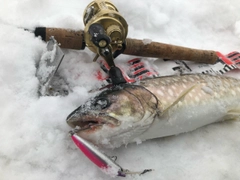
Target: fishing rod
column 70, row 39
column 105, row 34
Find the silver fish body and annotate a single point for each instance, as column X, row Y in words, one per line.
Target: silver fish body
column 155, row 108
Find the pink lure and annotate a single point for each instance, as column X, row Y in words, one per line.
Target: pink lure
column 101, row 160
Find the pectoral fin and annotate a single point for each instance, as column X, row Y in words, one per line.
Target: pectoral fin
column 138, row 132
column 179, row 98
column 233, row 114
column 131, row 136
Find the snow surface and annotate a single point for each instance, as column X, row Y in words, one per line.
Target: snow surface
column 34, row 135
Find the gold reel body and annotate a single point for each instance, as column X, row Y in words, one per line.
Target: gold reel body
column 103, row 12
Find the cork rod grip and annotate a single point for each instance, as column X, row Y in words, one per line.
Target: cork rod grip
column 155, row 49
column 67, row 38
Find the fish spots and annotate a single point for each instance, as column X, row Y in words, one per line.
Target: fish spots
column 152, row 85
column 163, row 88
column 168, row 81
column 197, row 77
column 227, row 84
column 175, row 79
column 200, row 94
column 197, row 99
column 170, row 92
column 156, row 83
column 238, row 89
column 180, row 104
column 190, row 94
column 233, row 93
column 191, row 79
column 163, row 102
column 112, row 114
column 174, row 87
column 184, row 80
column 207, row 90
column 219, row 83
column 217, row 95
column 163, row 83
column 160, row 93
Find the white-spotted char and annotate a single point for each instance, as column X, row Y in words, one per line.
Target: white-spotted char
column 157, row 107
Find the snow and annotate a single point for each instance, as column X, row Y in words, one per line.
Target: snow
column 146, row 41
column 34, row 134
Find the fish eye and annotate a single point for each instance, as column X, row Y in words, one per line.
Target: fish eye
column 101, row 103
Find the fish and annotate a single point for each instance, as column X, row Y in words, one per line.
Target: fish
column 156, row 107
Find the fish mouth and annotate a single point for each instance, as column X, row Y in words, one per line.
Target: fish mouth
column 91, row 122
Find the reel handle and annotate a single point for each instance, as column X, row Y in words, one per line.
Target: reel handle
column 99, row 37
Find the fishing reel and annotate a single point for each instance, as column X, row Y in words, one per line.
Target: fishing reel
column 105, row 34
column 105, row 29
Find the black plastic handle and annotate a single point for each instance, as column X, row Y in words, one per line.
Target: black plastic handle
column 99, row 37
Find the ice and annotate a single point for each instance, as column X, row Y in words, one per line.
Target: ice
column 34, row 134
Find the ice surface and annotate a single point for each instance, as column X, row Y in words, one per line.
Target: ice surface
column 34, row 135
